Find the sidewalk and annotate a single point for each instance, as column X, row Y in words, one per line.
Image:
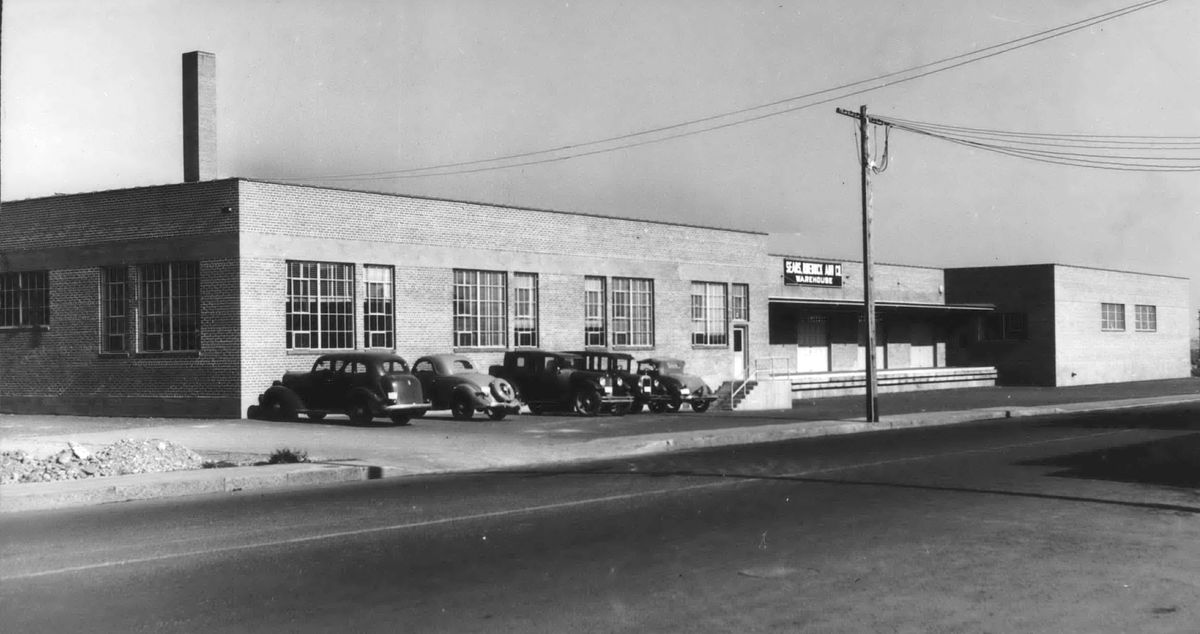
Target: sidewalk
column 342, row 452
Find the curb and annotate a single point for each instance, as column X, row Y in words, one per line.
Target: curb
column 95, row 491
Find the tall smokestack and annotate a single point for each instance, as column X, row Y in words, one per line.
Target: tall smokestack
column 199, row 116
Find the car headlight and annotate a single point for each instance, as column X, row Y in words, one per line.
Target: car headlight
column 620, row 382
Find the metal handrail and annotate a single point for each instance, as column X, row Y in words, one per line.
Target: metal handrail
column 770, row 363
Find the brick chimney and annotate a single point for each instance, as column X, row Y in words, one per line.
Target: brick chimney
column 199, row 116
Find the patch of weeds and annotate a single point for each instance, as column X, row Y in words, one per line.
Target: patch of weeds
column 288, row 456
column 217, row 464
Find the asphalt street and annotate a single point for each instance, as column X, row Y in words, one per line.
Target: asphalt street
column 1065, row 523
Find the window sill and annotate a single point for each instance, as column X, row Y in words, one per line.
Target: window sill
column 115, row 355
column 167, row 354
column 312, row 352
column 496, row 349
column 704, row 346
column 20, row 328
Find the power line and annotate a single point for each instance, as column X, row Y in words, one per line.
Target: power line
column 1067, row 139
column 1119, row 162
column 942, row 65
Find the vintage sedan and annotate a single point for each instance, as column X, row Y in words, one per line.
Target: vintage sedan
column 678, row 387
column 622, row 369
column 451, row 381
column 362, row 385
column 558, row 381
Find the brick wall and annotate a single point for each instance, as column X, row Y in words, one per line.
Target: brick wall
column 1012, row 289
column 1086, row 354
column 425, row 240
column 61, row 369
column 1066, row 345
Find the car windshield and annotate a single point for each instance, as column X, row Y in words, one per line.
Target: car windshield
column 393, row 366
column 646, row 367
column 575, row 363
column 461, row 366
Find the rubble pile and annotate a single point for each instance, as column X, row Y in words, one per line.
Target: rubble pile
column 78, row 461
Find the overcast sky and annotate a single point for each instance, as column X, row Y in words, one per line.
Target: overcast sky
column 306, row 88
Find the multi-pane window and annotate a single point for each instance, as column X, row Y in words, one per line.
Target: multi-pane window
column 595, row 312
column 525, row 310
column 1004, row 327
column 739, row 302
column 709, row 317
column 479, row 309
column 25, row 299
column 378, row 315
column 1112, row 316
column 170, row 316
column 1145, row 317
column 114, row 317
column 633, row 312
column 320, row 305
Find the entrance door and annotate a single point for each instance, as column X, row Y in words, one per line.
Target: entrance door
column 741, row 352
column 812, row 344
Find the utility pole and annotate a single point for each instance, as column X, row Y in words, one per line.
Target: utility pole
column 868, row 262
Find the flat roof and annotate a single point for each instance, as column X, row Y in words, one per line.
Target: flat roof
column 393, row 195
column 880, row 304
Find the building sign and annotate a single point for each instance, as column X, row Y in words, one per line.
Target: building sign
column 805, row 273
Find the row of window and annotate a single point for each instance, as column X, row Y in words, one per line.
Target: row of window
column 1112, row 317
column 169, row 300
column 321, row 309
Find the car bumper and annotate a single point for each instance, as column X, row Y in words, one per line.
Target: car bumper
column 406, row 407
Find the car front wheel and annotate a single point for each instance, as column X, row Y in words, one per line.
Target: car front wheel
column 587, row 402
column 497, row 414
column 675, row 401
column 360, row 412
column 701, row 406
column 399, row 418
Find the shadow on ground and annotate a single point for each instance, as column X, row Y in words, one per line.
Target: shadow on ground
column 1171, row 462
column 1185, row 418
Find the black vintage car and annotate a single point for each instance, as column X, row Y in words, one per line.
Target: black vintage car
column 558, row 381
column 621, row 366
column 362, row 385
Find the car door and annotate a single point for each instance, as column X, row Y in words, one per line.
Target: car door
column 343, row 381
column 322, row 377
column 426, row 373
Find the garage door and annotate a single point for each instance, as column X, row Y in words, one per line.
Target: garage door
column 812, row 344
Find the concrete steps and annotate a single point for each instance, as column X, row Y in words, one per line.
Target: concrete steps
column 725, row 401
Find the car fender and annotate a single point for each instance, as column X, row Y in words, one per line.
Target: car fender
column 362, row 392
column 284, row 395
column 471, row 392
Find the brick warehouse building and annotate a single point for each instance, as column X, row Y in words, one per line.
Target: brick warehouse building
column 189, row 299
column 192, row 298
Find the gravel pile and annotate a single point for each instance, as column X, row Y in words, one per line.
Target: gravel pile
column 77, row 461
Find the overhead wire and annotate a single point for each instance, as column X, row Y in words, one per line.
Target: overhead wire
column 1123, row 162
column 942, row 65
